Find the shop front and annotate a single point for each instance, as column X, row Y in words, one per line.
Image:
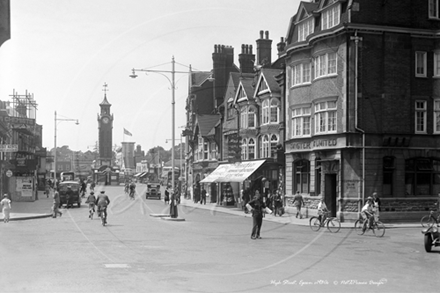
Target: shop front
column 232, row 179
column 314, row 169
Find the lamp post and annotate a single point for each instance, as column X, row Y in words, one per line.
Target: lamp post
column 55, row 141
column 173, row 90
column 180, row 159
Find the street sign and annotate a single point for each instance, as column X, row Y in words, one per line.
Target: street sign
column 9, row 173
column 8, row 148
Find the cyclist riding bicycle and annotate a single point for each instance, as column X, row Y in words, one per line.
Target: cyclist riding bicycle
column 91, row 201
column 132, row 189
column 322, row 211
column 367, row 213
column 102, row 202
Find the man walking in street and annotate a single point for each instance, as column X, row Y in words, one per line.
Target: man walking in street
column 56, row 204
column 256, row 207
column 298, row 202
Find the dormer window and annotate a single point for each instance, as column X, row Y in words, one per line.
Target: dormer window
column 330, row 17
column 305, row 28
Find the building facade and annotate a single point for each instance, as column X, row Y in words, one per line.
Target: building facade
column 363, row 105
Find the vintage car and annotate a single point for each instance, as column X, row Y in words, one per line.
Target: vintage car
column 153, row 190
column 75, row 197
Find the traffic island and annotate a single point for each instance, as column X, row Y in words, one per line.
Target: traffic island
column 159, row 215
column 173, row 219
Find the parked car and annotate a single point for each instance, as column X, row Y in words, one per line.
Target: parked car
column 153, row 191
column 75, row 196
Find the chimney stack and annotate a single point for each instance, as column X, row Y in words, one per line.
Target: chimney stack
column 264, row 49
column 246, row 59
column 223, row 62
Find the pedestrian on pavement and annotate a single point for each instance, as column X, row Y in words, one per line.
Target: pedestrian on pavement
column 167, row 196
column 256, row 206
column 376, row 206
column 173, row 205
column 47, row 189
column 246, row 199
column 298, row 202
column 6, row 208
column 203, row 201
column 56, row 205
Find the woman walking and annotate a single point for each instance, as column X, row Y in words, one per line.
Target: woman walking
column 56, row 205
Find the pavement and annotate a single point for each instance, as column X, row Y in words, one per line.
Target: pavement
column 42, row 208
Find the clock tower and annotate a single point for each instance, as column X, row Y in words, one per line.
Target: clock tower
column 105, row 126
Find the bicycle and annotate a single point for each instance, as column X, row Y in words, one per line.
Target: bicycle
column 101, row 214
column 430, row 219
column 132, row 193
column 333, row 224
column 377, row 227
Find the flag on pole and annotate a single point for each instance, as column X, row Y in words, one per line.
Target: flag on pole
column 126, row 132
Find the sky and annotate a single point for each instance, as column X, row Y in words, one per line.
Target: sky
column 64, row 51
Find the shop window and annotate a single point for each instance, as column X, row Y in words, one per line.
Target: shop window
column 301, row 178
column 388, row 172
column 422, row 176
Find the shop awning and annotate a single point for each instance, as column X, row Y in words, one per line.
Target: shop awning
column 137, row 174
column 233, row 172
column 143, row 174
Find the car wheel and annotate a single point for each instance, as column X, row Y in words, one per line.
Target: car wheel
column 428, row 242
column 79, row 204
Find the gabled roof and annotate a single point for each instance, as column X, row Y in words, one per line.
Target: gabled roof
column 244, row 90
column 199, row 77
column 233, row 82
column 206, row 122
column 305, row 9
column 266, row 80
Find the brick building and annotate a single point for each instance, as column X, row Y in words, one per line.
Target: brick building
column 363, row 105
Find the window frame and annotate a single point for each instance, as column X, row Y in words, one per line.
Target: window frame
column 433, row 5
column 420, row 110
column 436, row 116
column 423, row 55
column 301, row 117
column 274, row 104
column 323, row 63
column 322, row 118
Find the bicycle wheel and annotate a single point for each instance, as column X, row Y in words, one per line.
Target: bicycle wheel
column 358, row 225
column 102, row 219
column 378, row 229
column 315, row 224
column 333, row 225
column 427, row 221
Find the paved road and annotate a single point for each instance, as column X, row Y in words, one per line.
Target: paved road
column 209, row 252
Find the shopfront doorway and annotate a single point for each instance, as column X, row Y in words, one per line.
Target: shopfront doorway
column 330, row 193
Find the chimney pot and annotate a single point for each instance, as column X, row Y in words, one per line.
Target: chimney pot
column 261, row 34
column 267, row 35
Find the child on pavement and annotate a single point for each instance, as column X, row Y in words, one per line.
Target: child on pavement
column 6, row 207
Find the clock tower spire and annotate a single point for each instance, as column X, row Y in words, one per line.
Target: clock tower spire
column 105, row 129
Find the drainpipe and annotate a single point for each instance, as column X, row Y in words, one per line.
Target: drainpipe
column 356, row 40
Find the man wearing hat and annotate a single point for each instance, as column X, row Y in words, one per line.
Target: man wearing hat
column 102, row 202
column 6, row 207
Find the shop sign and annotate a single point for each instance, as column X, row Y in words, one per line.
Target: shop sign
column 18, row 120
column 8, row 148
column 314, row 144
column 24, row 186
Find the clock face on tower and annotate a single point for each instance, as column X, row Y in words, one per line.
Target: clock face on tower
column 105, row 120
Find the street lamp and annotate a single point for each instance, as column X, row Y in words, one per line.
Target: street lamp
column 180, row 160
column 173, row 89
column 55, row 141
